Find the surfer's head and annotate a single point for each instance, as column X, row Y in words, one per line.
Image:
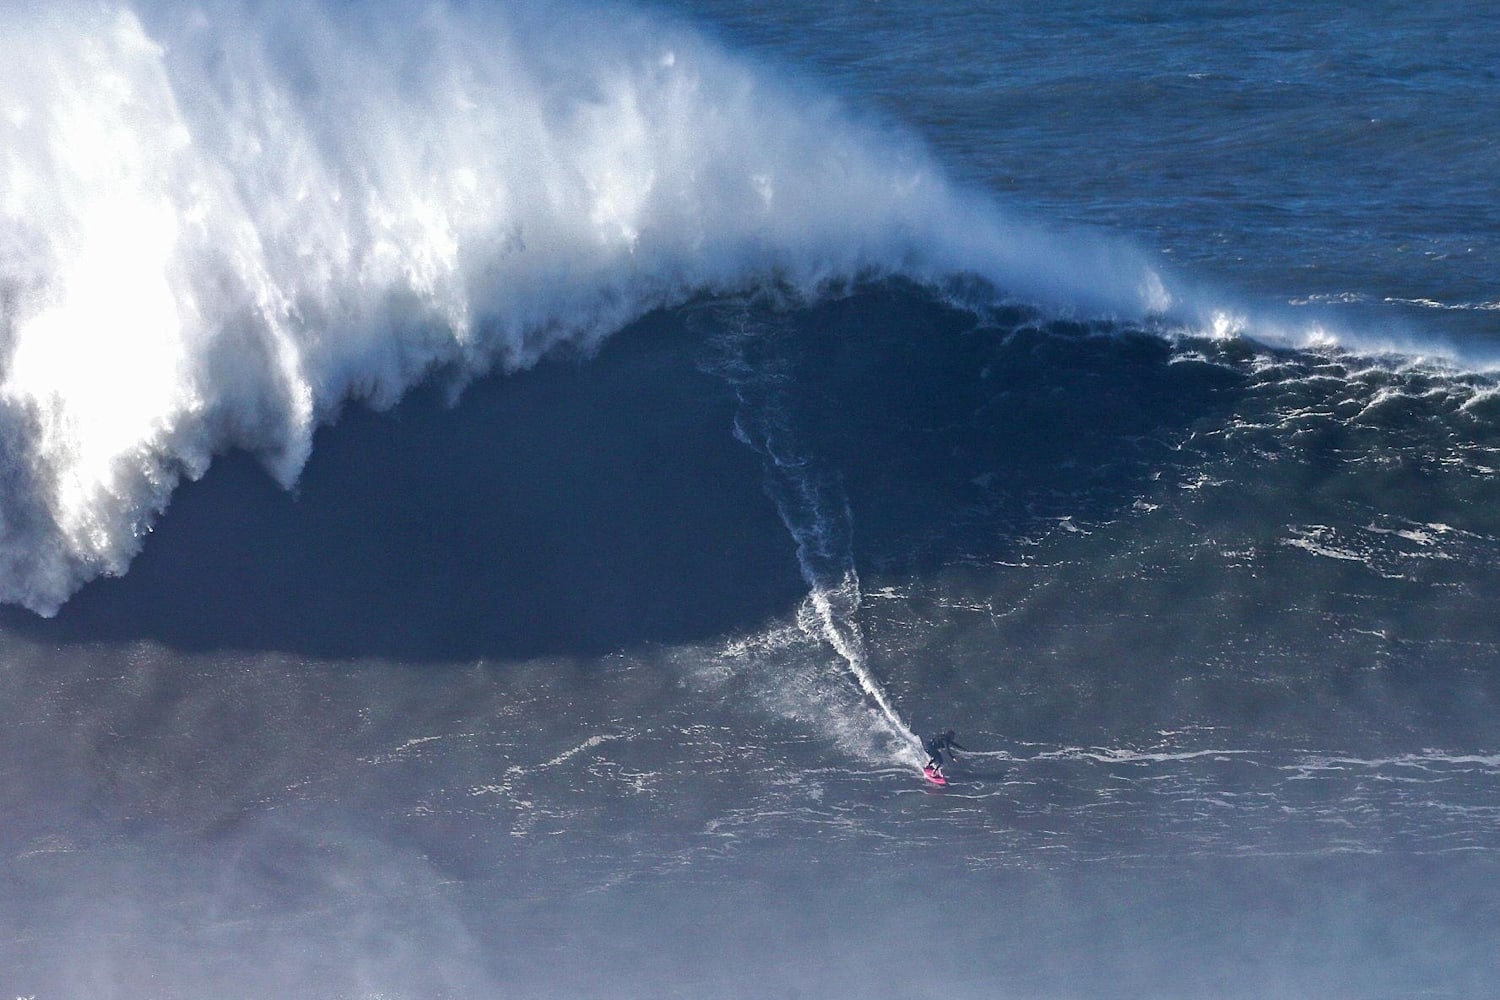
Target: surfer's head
column 950, row 734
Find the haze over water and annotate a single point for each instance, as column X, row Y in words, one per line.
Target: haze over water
column 493, row 495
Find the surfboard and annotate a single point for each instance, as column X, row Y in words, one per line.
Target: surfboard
column 933, row 777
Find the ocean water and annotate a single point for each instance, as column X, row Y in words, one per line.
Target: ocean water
column 493, row 495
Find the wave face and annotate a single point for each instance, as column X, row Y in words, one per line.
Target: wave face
column 222, row 223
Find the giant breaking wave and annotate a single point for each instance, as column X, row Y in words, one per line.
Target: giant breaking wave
column 220, row 223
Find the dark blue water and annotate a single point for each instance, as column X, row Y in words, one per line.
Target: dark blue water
column 1305, row 154
column 776, row 385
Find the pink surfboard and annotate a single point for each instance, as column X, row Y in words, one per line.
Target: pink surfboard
column 933, row 777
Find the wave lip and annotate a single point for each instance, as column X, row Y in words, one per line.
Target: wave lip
column 220, row 225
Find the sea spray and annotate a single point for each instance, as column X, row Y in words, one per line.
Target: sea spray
column 221, row 223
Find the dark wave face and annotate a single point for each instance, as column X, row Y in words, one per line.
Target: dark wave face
column 494, row 497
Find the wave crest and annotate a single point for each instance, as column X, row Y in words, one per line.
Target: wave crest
column 219, row 225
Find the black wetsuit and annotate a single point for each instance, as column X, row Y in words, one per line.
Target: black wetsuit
column 935, row 745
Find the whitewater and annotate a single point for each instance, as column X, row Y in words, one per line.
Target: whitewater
column 219, row 224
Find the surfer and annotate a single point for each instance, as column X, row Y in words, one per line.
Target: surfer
column 935, row 745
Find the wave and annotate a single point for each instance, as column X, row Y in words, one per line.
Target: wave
column 220, row 224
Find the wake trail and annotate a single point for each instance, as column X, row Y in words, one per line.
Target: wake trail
column 811, row 503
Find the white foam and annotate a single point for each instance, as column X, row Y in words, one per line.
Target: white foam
column 1449, row 306
column 220, row 223
column 586, row 745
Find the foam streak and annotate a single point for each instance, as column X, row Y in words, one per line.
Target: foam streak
column 813, row 506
